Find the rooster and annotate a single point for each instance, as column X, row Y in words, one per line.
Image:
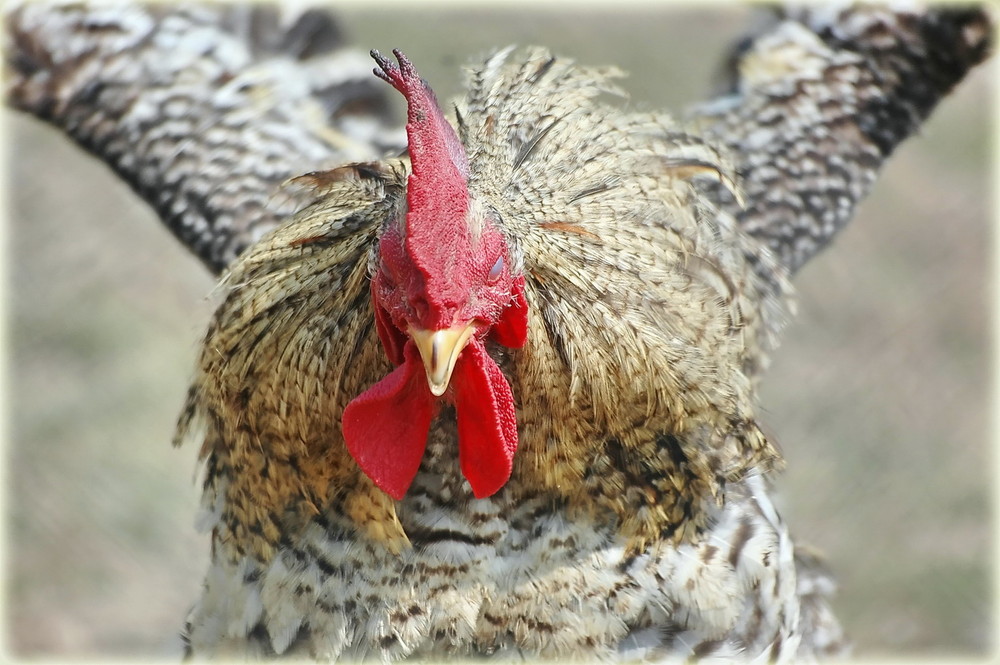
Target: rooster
column 560, row 412
column 497, row 396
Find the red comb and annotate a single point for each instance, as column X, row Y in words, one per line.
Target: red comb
column 430, row 136
column 437, row 191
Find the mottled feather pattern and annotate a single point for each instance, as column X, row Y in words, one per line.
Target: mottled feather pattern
column 509, row 579
column 273, row 372
column 595, row 489
column 819, row 101
column 170, row 98
column 652, row 315
column 638, row 522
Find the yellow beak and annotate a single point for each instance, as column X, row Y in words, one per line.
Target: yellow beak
column 439, row 349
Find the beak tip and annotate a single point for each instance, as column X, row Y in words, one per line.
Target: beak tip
column 439, row 351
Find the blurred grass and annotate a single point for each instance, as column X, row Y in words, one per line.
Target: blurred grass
column 880, row 395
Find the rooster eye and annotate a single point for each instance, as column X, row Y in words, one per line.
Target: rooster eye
column 495, row 271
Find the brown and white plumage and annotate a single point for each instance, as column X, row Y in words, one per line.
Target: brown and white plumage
column 634, row 413
column 282, row 620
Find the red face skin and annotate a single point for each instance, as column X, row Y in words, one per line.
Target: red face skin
column 476, row 286
column 443, row 287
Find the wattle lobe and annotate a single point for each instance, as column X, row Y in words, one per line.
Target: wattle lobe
column 385, row 427
column 487, row 421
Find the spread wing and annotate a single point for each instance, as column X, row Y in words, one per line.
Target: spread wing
column 815, row 103
column 203, row 110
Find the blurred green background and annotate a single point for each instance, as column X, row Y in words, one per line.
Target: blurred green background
column 881, row 395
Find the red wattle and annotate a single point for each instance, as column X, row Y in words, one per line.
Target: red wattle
column 385, row 427
column 487, row 423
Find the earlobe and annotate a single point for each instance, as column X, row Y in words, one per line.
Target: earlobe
column 512, row 328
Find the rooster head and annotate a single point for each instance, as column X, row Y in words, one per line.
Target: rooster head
column 443, row 286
